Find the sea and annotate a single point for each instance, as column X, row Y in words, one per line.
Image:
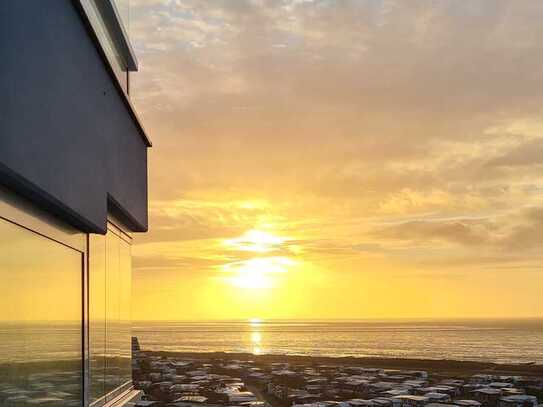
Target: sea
column 499, row 341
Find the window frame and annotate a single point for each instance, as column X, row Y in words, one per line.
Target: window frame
column 22, row 213
column 113, row 227
column 26, row 215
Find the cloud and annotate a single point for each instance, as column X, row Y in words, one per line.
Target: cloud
column 526, row 233
column 526, row 154
column 462, row 232
column 505, row 234
column 156, row 263
column 413, row 128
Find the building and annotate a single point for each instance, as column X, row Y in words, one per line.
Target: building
column 519, row 400
column 412, row 401
column 487, row 396
column 467, row 403
column 73, row 188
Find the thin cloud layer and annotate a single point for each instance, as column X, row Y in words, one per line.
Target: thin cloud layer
column 381, row 136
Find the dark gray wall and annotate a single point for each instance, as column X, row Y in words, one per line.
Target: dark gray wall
column 67, row 139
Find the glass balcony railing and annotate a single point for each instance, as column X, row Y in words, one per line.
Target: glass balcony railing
column 41, row 357
column 110, row 22
column 109, row 313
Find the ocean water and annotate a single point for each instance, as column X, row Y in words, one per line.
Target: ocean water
column 39, row 341
column 502, row 341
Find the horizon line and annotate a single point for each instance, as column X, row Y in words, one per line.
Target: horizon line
column 371, row 319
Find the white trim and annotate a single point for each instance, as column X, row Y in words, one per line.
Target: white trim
column 121, row 35
column 109, row 16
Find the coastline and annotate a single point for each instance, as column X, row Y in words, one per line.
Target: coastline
column 436, row 366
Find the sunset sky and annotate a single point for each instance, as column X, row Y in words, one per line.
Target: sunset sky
column 340, row 159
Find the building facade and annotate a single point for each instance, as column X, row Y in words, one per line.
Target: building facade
column 73, row 190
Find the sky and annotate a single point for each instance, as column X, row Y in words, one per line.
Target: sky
column 340, row 159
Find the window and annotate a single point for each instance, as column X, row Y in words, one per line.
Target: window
column 109, row 313
column 125, row 312
column 112, row 312
column 97, row 316
column 41, row 357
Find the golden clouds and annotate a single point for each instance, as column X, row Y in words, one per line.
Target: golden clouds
column 256, row 241
column 382, row 148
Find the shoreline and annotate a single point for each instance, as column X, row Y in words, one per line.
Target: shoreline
column 436, row 366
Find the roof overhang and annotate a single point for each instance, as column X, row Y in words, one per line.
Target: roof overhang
column 111, row 19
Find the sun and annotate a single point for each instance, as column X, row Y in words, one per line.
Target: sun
column 255, row 322
column 258, row 272
column 262, row 270
column 256, row 241
column 254, row 279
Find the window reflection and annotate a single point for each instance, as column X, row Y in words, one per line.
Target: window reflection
column 40, row 320
column 125, row 326
column 110, row 312
column 97, row 316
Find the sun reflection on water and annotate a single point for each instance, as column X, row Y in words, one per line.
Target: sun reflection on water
column 256, row 336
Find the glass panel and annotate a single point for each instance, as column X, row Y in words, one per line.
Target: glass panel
column 97, row 315
column 40, row 320
column 116, row 61
column 125, row 315
column 123, row 8
column 112, row 312
column 110, row 292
